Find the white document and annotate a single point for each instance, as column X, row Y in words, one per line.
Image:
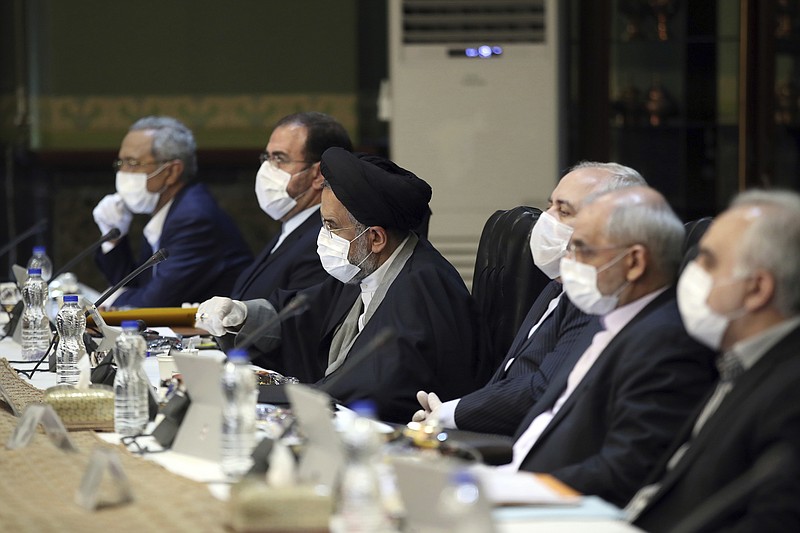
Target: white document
column 519, row 488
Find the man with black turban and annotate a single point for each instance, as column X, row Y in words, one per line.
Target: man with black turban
column 382, row 277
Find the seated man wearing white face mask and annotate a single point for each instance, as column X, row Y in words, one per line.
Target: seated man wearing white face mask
column 289, row 189
column 612, row 409
column 156, row 176
column 734, row 465
column 382, row 275
column 553, row 326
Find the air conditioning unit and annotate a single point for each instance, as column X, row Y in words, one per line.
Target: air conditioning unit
column 473, row 109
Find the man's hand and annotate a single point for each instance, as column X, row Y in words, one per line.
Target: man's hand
column 430, row 404
column 219, row 314
column 111, row 212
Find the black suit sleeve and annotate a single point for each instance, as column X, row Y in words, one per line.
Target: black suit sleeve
column 500, row 407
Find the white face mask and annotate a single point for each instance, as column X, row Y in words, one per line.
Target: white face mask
column 549, row 240
column 701, row 322
column 132, row 187
column 580, row 284
column 332, row 250
column 271, row 183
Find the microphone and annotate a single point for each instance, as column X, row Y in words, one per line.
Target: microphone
column 298, row 305
column 155, row 259
column 109, row 335
column 113, row 234
column 36, row 228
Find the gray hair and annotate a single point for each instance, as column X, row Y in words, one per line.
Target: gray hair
column 620, row 176
column 171, row 140
column 653, row 224
column 772, row 242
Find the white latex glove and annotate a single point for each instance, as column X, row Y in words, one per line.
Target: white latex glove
column 111, row 212
column 430, row 404
column 218, row 314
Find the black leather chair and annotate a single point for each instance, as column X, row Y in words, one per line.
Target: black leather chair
column 506, row 282
column 694, row 232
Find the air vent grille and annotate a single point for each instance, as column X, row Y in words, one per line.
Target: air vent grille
column 473, row 21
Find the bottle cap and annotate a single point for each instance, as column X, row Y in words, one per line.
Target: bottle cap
column 34, row 271
column 462, row 475
column 39, row 249
column 72, row 298
column 129, row 324
column 365, row 408
column 238, row 354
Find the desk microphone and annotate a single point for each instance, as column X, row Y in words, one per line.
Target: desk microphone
column 113, row 234
column 36, row 228
column 298, row 305
column 155, row 259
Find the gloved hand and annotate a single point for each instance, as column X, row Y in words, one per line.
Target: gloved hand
column 429, row 413
column 218, row 314
column 111, row 212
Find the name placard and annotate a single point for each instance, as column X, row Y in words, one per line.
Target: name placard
column 34, row 415
column 90, row 496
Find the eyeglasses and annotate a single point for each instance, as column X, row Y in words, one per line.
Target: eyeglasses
column 277, row 160
column 327, row 227
column 583, row 251
column 134, row 163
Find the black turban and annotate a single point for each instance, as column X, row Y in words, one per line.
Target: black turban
column 376, row 191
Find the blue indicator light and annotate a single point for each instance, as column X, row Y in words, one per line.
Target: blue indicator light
column 485, row 51
column 471, row 52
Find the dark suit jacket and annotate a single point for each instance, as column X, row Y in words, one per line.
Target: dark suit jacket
column 206, row 253
column 624, row 413
column 294, row 265
column 761, row 411
column 499, row 406
column 439, row 341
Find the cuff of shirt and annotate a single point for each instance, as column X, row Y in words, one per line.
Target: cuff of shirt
column 447, row 414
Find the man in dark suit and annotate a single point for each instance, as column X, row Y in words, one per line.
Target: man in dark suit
column 289, row 189
column 156, row 172
column 612, row 409
column 553, row 325
column 383, row 276
column 734, row 466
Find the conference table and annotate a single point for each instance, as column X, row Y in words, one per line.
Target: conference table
column 180, row 492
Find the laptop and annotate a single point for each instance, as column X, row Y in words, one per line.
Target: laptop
column 200, row 432
column 323, row 455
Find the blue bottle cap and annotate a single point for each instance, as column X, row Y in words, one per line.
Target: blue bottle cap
column 365, row 408
column 72, row 298
column 238, row 354
column 34, row 271
column 129, row 324
column 39, row 249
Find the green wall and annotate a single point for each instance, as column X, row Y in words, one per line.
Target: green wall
column 228, row 69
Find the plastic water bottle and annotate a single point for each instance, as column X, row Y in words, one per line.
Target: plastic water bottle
column 35, row 326
column 361, row 506
column 238, row 414
column 131, row 387
column 459, row 505
column 40, row 260
column 70, row 324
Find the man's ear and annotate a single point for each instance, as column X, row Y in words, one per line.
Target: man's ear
column 175, row 171
column 319, row 179
column 760, row 290
column 637, row 262
column 380, row 239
